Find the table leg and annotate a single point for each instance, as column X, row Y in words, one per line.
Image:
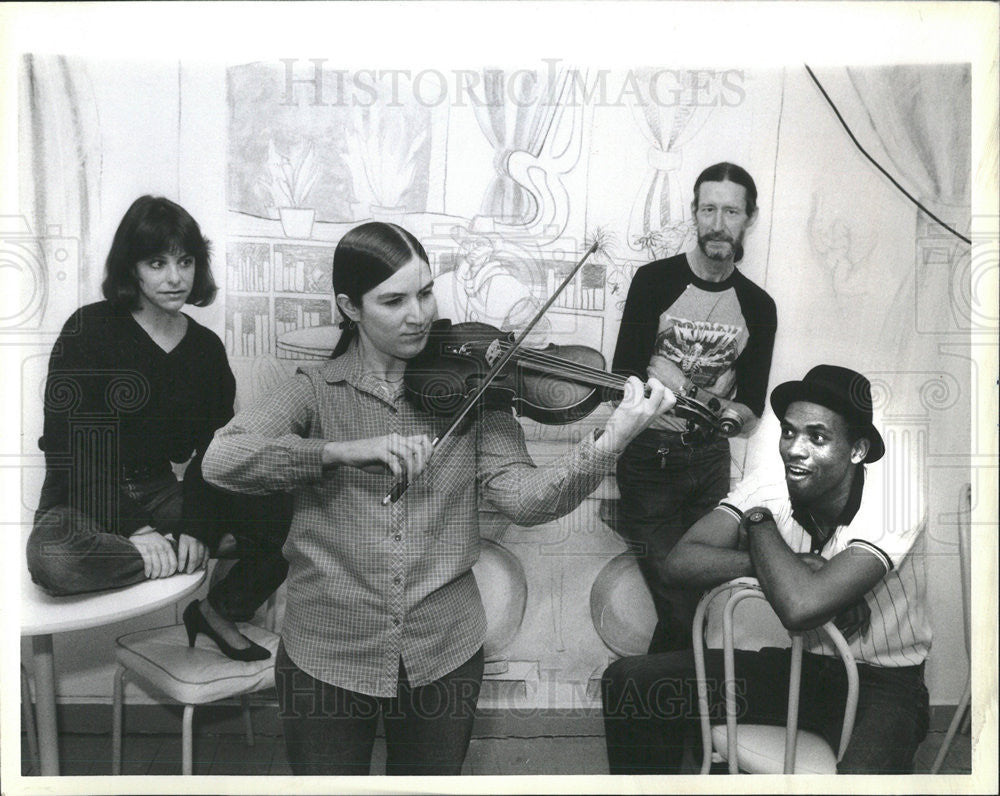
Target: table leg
column 45, row 704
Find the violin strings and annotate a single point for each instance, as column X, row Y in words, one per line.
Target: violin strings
column 578, row 372
column 595, row 377
column 560, row 366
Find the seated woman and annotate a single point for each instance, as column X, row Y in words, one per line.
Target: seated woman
column 383, row 612
column 133, row 385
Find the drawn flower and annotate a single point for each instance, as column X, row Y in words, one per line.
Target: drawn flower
column 290, row 178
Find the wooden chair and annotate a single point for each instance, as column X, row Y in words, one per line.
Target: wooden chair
column 962, row 711
column 161, row 658
column 758, row 748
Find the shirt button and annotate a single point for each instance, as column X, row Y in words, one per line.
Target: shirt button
column 395, row 621
column 397, row 580
column 398, row 537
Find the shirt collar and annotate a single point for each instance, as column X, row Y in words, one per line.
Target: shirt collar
column 802, row 516
column 348, row 368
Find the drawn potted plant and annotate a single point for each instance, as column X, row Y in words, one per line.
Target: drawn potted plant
column 383, row 149
column 290, row 179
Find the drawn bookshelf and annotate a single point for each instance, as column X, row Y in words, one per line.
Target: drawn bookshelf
column 275, row 285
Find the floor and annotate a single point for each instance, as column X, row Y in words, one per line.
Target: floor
column 229, row 755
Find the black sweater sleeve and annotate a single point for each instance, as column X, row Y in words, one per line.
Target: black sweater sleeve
column 205, row 506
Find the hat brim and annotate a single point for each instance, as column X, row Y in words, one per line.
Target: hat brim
column 788, row 393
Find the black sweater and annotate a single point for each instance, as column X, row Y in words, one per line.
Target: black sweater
column 115, row 401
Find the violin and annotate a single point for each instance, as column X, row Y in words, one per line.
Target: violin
column 457, row 372
column 554, row 385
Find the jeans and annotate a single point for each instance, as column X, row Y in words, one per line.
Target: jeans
column 69, row 552
column 665, row 488
column 650, row 703
column 330, row 730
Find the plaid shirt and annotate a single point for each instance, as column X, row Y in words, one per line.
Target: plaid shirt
column 369, row 583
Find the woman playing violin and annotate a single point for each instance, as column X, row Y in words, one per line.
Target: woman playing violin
column 383, row 614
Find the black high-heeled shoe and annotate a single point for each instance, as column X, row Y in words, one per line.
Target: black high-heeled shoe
column 196, row 623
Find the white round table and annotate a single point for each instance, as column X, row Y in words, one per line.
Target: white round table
column 311, row 342
column 43, row 615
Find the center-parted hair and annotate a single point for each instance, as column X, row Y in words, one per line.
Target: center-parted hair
column 151, row 226
column 365, row 257
column 721, row 172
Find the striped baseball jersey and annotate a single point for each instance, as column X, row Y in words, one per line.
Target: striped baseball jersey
column 889, row 524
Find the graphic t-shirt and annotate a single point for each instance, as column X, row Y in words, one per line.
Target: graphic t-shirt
column 720, row 334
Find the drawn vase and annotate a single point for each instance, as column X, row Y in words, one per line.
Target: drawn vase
column 389, row 215
column 504, row 590
column 297, row 222
column 621, row 606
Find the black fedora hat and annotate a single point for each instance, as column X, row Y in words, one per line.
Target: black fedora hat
column 843, row 390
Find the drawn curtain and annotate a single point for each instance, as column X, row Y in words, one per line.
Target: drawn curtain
column 922, row 118
column 511, row 124
column 659, row 218
column 60, row 156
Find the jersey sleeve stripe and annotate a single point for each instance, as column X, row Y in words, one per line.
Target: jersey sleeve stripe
column 731, row 509
column 886, row 561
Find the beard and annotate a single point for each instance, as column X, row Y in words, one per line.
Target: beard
column 735, row 247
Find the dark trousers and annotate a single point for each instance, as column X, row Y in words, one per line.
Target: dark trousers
column 330, row 730
column 665, row 488
column 69, row 552
column 651, row 704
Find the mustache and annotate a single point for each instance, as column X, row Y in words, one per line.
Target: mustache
column 718, row 236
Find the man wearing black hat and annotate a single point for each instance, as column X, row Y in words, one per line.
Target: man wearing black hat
column 827, row 539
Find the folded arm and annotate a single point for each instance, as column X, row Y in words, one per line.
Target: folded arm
column 803, row 594
column 708, row 554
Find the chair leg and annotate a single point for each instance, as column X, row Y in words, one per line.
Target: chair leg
column 953, row 727
column 247, row 718
column 28, row 717
column 117, row 708
column 187, row 741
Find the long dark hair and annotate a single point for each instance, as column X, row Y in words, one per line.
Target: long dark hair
column 721, row 172
column 365, row 257
column 154, row 225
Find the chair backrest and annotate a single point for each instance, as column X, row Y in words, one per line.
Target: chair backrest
column 739, row 590
column 965, row 559
column 258, row 377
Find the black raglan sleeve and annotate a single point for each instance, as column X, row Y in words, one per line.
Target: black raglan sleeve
column 637, row 332
column 753, row 366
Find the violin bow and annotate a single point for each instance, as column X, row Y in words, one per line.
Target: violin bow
column 600, row 241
